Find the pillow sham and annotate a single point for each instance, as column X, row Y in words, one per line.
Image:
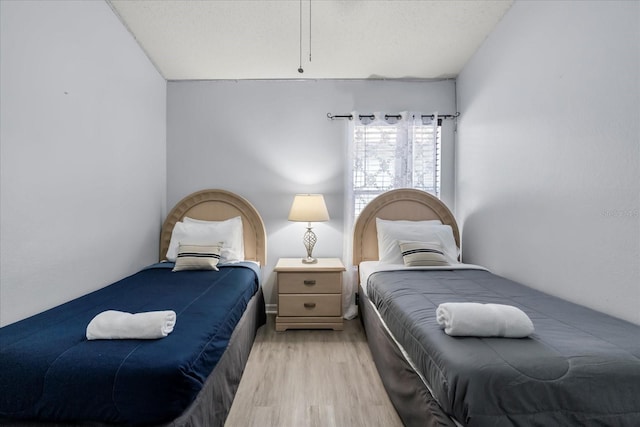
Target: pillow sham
column 416, row 254
column 197, row 257
column 203, row 221
column 390, row 233
column 228, row 232
column 233, row 251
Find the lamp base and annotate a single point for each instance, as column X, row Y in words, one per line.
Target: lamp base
column 309, row 240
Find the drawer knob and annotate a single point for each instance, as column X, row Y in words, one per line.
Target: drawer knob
column 310, row 282
column 309, row 304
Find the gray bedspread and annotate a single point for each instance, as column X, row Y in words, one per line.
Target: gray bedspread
column 580, row 367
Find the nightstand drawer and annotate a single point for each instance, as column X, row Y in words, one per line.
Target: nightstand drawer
column 310, row 305
column 311, row 283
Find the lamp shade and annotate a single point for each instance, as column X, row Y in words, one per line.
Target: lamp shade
column 308, row 208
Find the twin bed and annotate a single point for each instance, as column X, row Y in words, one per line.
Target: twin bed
column 51, row 375
column 579, row 367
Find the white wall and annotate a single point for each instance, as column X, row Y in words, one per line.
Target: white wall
column 548, row 177
column 82, row 119
column 268, row 140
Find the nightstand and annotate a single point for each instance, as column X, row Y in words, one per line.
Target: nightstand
column 309, row 295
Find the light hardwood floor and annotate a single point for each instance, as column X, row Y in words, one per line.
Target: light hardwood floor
column 314, row 378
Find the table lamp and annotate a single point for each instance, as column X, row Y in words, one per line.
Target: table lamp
column 309, row 208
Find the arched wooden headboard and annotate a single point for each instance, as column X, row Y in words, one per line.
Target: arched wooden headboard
column 219, row 205
column 404, row 203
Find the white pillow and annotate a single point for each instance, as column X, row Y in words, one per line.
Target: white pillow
column 390, row 233
column 197, row 257
column 203, row 221
column 235, row 243
column 196, row 232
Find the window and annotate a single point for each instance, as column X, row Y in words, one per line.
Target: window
column 388, row 154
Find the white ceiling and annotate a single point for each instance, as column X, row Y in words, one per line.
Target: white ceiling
column 350, row 39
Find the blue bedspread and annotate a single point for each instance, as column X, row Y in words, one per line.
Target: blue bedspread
column 50, row 371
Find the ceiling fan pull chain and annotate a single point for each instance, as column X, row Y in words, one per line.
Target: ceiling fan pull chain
column 300, row 70
column 309, row 30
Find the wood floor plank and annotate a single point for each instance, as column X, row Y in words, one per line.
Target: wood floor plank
column 311, row 378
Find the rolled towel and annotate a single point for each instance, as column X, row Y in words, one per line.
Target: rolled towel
column 474, row 319
column 112, row 324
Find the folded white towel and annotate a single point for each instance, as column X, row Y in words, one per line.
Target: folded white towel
column 112, row 324
column 483, row 320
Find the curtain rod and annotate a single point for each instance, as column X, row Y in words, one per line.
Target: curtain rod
column 387, row 116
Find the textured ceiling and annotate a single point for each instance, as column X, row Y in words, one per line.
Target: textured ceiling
column 355, row 39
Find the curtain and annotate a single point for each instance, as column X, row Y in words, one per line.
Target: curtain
column 385, row 151
column 425, row 140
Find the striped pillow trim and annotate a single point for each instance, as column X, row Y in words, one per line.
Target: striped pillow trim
column 197, row 257
column 422, row 254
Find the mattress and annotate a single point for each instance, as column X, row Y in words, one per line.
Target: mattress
column 580, row 367
column 49, row 371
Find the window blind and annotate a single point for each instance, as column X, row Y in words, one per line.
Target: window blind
column 405, row 154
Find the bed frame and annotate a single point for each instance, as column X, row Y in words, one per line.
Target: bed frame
column 408, row 393
column 212, row 404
